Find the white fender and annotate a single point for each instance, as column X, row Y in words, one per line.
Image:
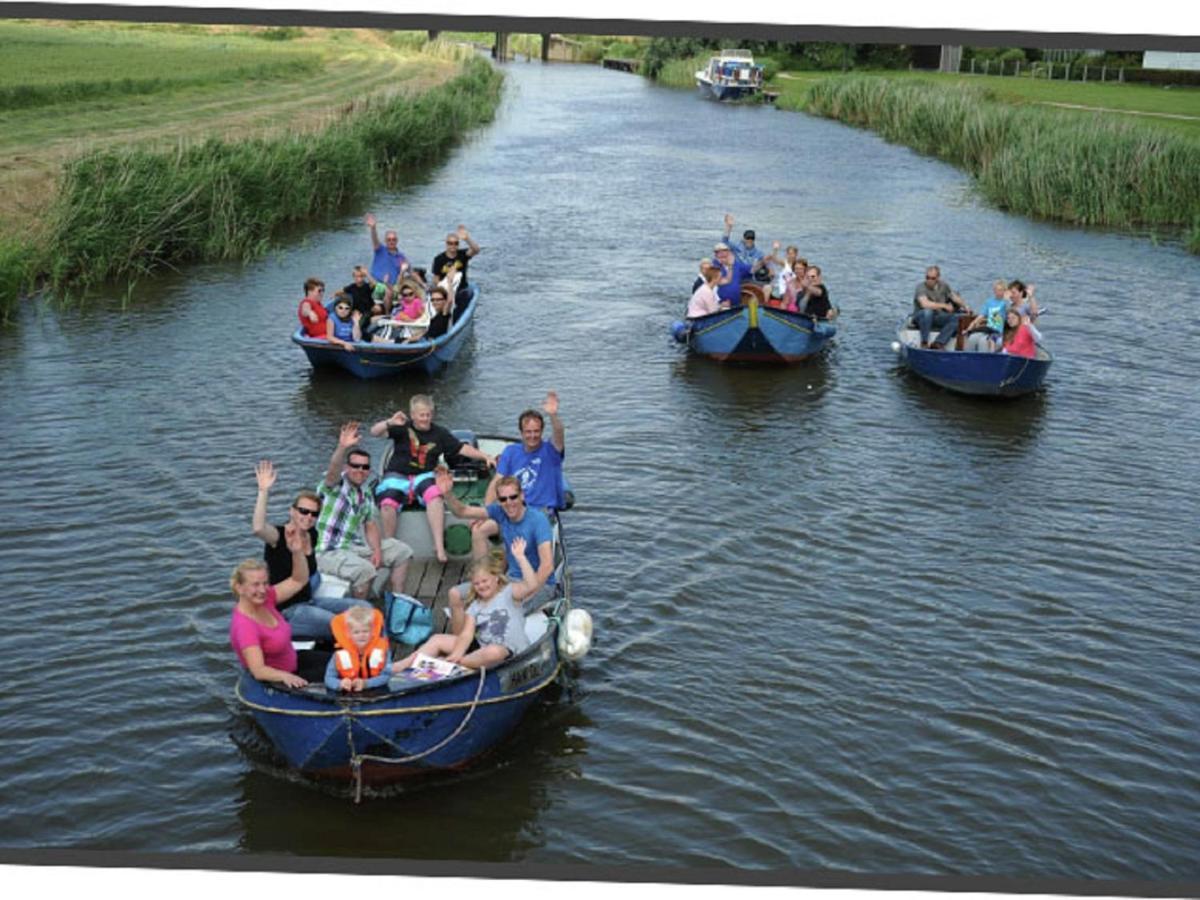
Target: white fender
column 575, row 638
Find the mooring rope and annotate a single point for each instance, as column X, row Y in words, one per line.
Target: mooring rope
column 356, row 760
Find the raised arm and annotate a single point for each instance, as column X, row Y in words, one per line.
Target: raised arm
column 380, row 428
column 299, row 544
column 530, row 580
column 558, row 435
column 371, row 223
column 347, row 438
column 265, row 473
column 464, row 235
column 445, row 483
column 728, row 227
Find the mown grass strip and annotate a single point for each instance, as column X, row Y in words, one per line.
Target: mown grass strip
column 29, row 96
column 1030, row 160
column 127, row 213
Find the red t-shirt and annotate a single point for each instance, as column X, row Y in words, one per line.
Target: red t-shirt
column 313, row 329
column 1022, row 343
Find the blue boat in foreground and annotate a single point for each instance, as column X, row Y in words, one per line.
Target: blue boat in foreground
column 755, row 333
column 413, row 727
column 384, row 360
column 970, row 372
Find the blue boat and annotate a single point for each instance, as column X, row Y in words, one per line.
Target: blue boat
column 731, row 75
column 415, row 727
column 976, row 373
column 369, row 360
column 755, row 333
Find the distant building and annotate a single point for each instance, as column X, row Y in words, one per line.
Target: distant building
column 1167, row 59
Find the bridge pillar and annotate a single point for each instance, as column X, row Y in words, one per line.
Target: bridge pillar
column 500, row 49
column 433, row 35
column 545, row 48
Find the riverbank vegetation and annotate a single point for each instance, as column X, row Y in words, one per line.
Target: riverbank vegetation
column 1033, row 160
column 197, row 166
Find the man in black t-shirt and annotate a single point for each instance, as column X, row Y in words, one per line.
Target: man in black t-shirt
column 816, row 297
column 360, row 291
column 455, row 259
column 417, row 445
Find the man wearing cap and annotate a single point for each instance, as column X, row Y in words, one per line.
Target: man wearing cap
column 748, row 252
column 733, row 270
column 389, row 263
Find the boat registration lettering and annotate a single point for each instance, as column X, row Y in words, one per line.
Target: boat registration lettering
column 516, row 679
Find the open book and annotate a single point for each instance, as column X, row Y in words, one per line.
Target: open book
column 429, row 668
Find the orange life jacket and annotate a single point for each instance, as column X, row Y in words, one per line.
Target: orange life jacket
column 349, row 661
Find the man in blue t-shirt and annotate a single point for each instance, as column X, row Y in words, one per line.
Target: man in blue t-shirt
column 389, row 263
column 514, row 519
column 733, row 270
column 536, row 463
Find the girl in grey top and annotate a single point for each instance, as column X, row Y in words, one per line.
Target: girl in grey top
column 492, row 628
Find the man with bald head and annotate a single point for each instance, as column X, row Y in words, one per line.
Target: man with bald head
column 388, row 263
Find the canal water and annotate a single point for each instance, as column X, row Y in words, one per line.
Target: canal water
column 845, row 621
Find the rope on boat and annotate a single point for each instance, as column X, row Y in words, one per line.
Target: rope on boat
column 322, row 714
column 357, row 759
column 1007, row 381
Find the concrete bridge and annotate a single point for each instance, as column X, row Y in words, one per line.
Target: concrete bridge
column 553, row 47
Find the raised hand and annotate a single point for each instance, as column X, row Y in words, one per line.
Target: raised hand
column 728, row 220
column 462, row 233
column 370, row 220
column 398, row 418
column 349, row 435
column 265, row 473
column 550, row 404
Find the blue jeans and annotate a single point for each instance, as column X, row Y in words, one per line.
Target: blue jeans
column 928, row 319
column 310, row 620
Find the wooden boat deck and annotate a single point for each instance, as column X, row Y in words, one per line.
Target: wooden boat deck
column 430, row 580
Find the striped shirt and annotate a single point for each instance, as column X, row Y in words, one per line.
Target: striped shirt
column 344, row 510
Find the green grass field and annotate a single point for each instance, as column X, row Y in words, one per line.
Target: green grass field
column 49, row 64
column 1140, row 104
column 80, row 88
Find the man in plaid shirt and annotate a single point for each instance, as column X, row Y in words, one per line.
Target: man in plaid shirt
column 349, row 544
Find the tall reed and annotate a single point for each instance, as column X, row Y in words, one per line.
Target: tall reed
column 1036, row 161
column 16, row 273
column 681, row 72
column 129, row 212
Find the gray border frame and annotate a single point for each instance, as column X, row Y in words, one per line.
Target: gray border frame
column 230, row 862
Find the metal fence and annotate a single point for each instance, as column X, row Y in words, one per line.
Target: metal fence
column 1063, row 71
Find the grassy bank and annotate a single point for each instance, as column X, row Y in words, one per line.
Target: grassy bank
column 127, row 212
column 1086, row 170
column 337, row 75
column 48, row 65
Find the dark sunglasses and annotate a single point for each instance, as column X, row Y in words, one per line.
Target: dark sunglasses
column 306, row 512
column 504, row 499
column 364, row 467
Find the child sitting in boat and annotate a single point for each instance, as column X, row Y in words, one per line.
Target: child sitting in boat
column 344, row 325
column 409, row 317
column 492, row 628
column 360, row 661
column 986, row 330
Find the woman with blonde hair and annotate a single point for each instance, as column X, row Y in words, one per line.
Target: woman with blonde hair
column 492, row 628
column 259, row 633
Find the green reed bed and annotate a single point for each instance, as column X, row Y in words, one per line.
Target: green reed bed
column 681, row 73
column 126, row 213
column 1040, row 162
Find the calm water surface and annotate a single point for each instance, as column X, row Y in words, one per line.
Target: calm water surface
column 845, row 621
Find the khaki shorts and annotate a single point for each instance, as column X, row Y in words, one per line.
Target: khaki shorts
column 354, row 563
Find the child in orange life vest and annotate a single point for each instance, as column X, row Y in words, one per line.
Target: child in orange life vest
column 360, row 661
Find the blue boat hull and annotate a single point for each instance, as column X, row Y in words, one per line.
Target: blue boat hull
column 417, row 730
column 977, row 374
column 756, row 334
column 369, row 360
